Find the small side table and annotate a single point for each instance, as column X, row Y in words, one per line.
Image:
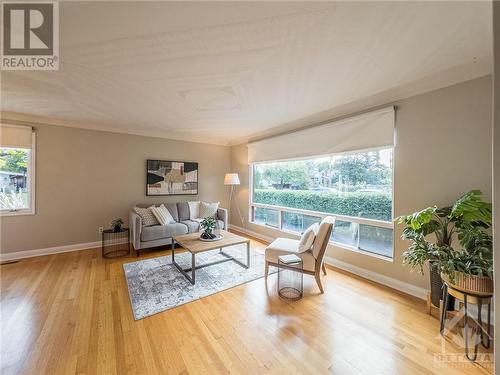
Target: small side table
column 290, row 280
column 482, row 334
column 115, row 244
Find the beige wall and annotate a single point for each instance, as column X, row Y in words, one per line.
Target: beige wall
column 85, row 178
column 442, row 150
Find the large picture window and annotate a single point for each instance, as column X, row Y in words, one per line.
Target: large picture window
column 16, row 170
column 355, row 187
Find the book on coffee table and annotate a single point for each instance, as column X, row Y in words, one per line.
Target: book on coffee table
column 289, row 259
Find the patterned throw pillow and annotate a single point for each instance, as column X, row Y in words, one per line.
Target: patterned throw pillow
column 146, row 215
column 163, row 215
column 208, row 209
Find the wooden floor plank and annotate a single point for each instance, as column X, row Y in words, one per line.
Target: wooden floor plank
column 70, row 314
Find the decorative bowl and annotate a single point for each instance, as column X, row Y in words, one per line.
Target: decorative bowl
column 219, row 237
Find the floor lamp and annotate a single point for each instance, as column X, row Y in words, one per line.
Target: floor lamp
column 232, row 179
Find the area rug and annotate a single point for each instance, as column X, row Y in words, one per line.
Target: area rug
column 156, row 285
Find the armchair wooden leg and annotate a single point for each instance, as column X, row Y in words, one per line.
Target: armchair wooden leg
column 323, row 268
column 266, row 272
column 318, row 281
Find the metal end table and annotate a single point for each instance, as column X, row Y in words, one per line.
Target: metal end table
column 115, row 244
column 290, row 280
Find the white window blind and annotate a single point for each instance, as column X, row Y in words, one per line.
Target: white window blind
column 16, row 136
column 366, row 131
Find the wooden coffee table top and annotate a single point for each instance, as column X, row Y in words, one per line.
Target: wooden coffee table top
column 193, row 244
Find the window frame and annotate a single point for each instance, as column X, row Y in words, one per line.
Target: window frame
column 31, row 184
column 359, row 220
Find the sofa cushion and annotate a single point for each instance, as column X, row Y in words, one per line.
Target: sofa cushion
column 194, row 209
column 172, row 208
column 157, row 232
column 220, row 223
column 193, row 225
column 163, row 215
column 146, row 215
column 208, row 209
column 284, row 246
column 183, row 210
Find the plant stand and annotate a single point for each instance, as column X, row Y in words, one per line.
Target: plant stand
column 482, row 335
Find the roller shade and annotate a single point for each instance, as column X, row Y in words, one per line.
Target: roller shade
column 369, row 130
column 15, row 136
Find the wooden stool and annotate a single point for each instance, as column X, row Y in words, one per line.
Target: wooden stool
column 468, row 298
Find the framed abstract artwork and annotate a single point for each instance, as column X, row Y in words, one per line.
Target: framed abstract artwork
column 165, row 177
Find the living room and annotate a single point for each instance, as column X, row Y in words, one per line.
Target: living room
column 249, row 187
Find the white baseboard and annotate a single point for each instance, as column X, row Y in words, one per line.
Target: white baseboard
column 378, row 278
column 48, row 251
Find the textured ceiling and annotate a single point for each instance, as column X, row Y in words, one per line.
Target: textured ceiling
column 226, row 72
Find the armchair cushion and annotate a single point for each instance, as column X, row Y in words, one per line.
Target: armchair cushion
column 307, row 238
column 284, row 246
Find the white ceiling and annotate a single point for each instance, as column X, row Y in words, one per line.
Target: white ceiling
column 226, row 72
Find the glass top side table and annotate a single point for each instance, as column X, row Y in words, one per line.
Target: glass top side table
column 290, row 279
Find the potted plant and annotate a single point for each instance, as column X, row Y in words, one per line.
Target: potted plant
column 418, row 227
column 116, row 224
column 470, row 268
column 208, row 225
column 467, row 220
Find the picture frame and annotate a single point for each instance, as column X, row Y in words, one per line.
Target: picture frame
column 171, row 177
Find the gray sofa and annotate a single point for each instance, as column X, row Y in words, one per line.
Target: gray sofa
column 143, row 237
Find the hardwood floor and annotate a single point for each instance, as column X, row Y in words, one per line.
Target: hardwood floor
column 70, row 314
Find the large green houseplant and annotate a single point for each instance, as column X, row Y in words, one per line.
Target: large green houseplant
column 454, row 240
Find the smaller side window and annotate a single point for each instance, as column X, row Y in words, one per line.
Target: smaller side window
column 15, row 180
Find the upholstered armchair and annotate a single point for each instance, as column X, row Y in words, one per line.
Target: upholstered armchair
column 312, row 260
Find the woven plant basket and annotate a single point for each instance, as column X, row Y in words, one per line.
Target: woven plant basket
column 481, row 286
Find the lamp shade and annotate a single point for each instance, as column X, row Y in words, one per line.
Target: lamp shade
column 231, row 179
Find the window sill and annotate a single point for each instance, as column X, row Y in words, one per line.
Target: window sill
column 26, row 212
column 333, row 243
column 361, row 251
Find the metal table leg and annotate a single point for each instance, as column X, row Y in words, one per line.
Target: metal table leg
column 191, row 278
column 466, row 334
column 229, row 257
column 487, row 345
column 193, row 267
column 444, row 309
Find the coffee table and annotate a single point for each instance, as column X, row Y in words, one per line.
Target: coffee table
column 192, row 243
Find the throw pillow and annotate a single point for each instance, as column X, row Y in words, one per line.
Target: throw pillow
column 307, row 238
column 147, row 216
column 208, row 209
column 194, row 210
column 163, row 215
